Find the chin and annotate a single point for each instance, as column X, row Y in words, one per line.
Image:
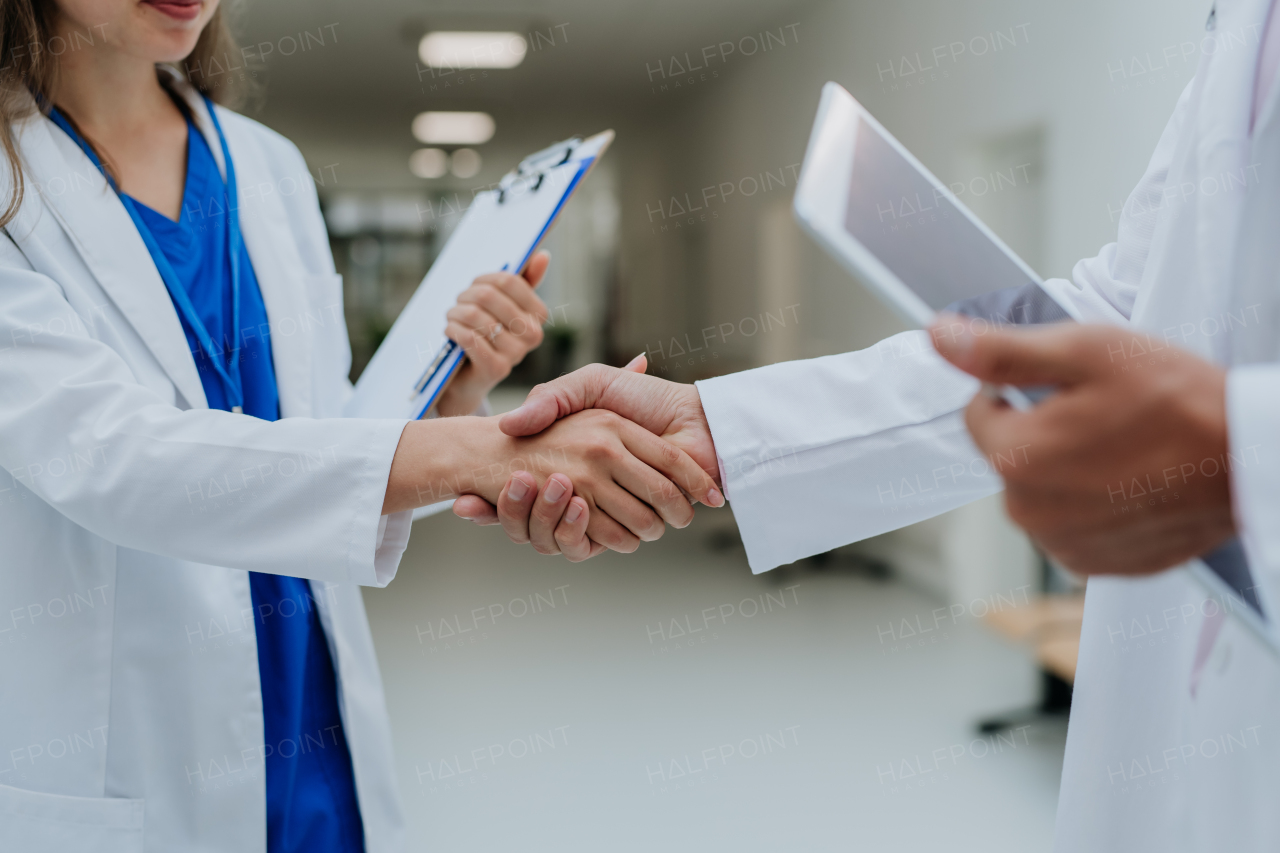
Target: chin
column 169, row 44
column 174, row 37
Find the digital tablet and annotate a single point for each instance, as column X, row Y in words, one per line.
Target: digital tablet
column 885, row 217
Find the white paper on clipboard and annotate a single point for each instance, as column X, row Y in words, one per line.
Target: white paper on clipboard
column 500, row 231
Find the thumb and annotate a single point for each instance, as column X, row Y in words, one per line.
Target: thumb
column 536, row 268
column 1058, row 354
column 639, row 364
column 559, row 398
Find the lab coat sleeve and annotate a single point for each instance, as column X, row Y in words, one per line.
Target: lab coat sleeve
column 1253, row 422
column 299, row 496
column 821, row 453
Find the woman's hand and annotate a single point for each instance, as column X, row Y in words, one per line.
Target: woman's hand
column 553, row 520
column 498, row 321
column 630, row 481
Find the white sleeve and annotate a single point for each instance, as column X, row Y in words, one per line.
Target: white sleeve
column 817, row 454
column 820, row 453
column 1253, row 419
column 299, row 496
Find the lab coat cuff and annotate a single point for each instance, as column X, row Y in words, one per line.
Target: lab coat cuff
column 378, row 541
column 1253, row 422
column 393, row 538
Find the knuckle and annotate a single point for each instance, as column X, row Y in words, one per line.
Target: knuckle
column 489, row 295
column 670, row 453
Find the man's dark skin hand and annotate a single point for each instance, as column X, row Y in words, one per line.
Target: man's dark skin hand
column 1125, row 469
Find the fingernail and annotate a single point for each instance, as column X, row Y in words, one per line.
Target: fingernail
column 574, row 513
column 714, row 497
column 555, row 491
column 518, row 489
column 633, row 362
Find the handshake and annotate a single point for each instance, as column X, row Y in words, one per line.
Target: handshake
column 607, row 457
column 600, row 458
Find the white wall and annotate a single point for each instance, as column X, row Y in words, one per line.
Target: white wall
column 1072, row 74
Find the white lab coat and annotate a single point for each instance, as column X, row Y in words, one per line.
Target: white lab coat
column 130, row 704
column 1161, row 754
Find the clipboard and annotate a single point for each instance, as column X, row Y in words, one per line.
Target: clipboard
column 500, row 231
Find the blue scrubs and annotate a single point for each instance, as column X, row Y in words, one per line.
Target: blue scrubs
column 311, row 793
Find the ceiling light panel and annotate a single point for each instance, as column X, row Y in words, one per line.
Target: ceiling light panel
column 453, row 128
column 472, row 50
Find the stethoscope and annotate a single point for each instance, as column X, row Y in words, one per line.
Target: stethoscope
column 228, row 373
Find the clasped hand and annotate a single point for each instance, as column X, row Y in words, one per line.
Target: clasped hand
column 547, row 513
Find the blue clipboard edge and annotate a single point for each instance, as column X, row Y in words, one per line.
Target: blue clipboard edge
column 452, row 361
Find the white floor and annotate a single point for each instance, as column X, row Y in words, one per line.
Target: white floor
column 538, row 705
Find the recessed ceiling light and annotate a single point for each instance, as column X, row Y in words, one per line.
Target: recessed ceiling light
column 437, row 128
column 429, row 163
column 465, row 163
column 472, row 50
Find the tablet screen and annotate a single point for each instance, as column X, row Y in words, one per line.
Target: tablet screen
column 916, row 230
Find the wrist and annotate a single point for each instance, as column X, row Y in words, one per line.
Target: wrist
column 443, row 458
column 465, row 393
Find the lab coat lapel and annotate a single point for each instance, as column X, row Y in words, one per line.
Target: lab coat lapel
column 1220, row 169
column 95, row 221
column 1188, row 284
column 274, row 255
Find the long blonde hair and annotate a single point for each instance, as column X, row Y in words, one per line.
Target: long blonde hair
column 29, row 66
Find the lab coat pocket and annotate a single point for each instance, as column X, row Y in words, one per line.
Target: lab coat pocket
column 33, row 821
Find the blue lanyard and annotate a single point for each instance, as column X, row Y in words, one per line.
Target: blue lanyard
column 228, row 373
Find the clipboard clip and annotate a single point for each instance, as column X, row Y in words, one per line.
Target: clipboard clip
column 535, row 167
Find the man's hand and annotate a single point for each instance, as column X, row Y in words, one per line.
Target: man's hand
column 667, row 409
column 497, row 321
column 546, row 520
column 1124, row 470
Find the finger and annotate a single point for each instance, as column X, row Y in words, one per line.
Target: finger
column 639, row 364
column 522, row 314
column 609, row 533
column 548, row 509
column 571, row 533
column 652, row 488
column 559, row 398
column 536, row 268
column 1057, row 354
column 479, row 349
column 514, row 504
column 513, row 288
column 982, row 417
column 675, row 471
column 622, row 505
column 476, row 509
column 477, row 320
